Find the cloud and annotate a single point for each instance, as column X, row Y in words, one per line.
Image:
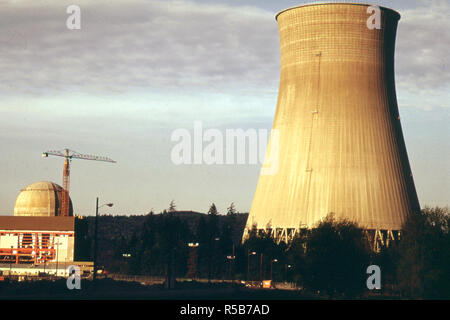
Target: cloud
column 138, row 69
column 423, row 50
column 135, row 44
column 185, row 46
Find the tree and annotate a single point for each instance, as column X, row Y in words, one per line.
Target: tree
column 424, row 255
column 213, row 210
column 337, row 255
column 136, row 255
column 211, row 237
column 295, row 258
column 224, row 247
column 202, row 234
column 192, row 263
column 172, row 206
column 267, row 250
column 171, row 243
column 231, row 210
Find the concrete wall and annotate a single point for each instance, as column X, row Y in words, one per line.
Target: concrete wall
column 341, row 148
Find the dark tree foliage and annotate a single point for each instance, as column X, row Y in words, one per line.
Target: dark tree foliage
column 172, row 206
column 268, row 255
column 159, row 248
column 209, row 241
column 125, row 241
column 336, row 258
column 424, row 255
column 387, row 259
column 296, row 259
column 331, row 259
column 231, row 210
column 216, row 236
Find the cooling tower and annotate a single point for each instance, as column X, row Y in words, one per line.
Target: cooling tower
column 340, row 148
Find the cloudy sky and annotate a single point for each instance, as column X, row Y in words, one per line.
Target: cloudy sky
column 139, row 69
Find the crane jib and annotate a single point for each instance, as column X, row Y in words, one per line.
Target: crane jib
column 69, row 155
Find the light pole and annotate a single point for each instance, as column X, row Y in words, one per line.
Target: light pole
column 212, row 259
column 231, row 264
column 95, row 236
column 248, row 263
column 271, row 267
column 126, row 256
column 193, row 259
column 261, row 268
column 286, row 266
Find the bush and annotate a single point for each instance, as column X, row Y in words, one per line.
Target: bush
column 424, row 255
column 337, row 256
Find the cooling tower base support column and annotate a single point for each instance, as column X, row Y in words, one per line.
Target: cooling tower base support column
column 278, row 234
column 377, row 239
column 286, row 235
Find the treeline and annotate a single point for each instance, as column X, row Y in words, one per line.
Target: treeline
column 123, row 237
column 330, row 260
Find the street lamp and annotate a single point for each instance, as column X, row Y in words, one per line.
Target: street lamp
column 261, row 268
column 126, row 256
column 95, row 235
column 286, row 266
column 248, row 262
column 192, row 264
column 212, row 258
column 230, row 260
column 231, row 264
column 271, row 267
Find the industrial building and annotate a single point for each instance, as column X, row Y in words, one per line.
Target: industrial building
column 37, row 238
column 341, row 148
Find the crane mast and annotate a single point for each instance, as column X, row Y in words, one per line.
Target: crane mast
column 65, row 199
column 69, row 155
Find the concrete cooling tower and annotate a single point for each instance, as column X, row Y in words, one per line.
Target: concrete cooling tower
column 340, row 148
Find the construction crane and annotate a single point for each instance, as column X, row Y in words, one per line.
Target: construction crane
column 69, row 155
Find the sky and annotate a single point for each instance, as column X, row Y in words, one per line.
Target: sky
column 139, row 69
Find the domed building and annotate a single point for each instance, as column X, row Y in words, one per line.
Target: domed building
column 38, row 238
column 40, row 199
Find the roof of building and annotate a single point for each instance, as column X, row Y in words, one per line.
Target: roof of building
column 37, row 223
column 43, row 198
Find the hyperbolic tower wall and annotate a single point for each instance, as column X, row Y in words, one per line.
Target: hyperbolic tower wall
column 341, row 147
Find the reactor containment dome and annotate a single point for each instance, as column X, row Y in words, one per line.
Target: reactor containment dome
column 41, row 199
